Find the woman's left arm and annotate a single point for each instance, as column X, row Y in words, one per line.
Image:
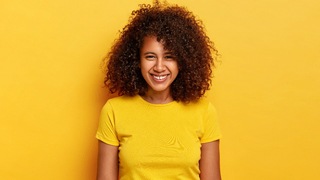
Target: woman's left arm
column 210, row 161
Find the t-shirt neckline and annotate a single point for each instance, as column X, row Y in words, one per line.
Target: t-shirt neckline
column 156, row 105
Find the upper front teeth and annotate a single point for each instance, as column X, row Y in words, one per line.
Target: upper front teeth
column 159, row 77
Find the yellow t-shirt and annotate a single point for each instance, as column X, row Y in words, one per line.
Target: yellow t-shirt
column 157, row 141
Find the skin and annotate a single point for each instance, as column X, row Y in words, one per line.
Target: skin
column 159, row 69
column 107, row 162
column 210, row 161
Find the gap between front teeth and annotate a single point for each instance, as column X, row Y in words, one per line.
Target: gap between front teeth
column 160, row 77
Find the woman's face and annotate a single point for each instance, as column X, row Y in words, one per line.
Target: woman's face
column 158, row 66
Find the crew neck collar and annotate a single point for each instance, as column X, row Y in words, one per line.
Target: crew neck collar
column 156, row 105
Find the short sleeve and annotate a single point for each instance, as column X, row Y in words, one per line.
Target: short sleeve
column 210, row 125
column 106, row 129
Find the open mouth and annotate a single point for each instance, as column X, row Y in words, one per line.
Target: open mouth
column 159, row 77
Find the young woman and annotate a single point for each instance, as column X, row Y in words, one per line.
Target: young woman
column 161, row 126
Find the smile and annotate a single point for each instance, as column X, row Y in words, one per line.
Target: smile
column 159, row 77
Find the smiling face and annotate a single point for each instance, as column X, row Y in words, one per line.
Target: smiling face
column 158, row 66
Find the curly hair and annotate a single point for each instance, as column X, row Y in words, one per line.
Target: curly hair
column 182, row 34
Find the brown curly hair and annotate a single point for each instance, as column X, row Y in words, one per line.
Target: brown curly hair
column 182, row 34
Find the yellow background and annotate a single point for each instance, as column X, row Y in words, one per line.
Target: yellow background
column 266, row 85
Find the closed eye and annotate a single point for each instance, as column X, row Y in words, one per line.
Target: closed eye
column 169, row 57
column 150, row 57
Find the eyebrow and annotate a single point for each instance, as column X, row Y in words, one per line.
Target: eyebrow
column 155, row 53
column 149, row 53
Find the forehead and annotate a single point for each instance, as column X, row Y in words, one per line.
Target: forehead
column 152, row 42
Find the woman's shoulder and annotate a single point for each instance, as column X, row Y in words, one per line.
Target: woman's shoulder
column 201, row 102
column 201, row 105
column 122, row 100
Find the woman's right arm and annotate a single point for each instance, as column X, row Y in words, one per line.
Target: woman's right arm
column 107, row 162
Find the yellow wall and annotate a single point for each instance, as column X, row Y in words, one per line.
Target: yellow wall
column 266, row 89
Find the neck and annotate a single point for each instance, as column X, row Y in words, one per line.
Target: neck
column 158, row 98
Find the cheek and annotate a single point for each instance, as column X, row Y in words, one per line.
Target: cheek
column 144, row 67
column 174, row 66
column 147, row 65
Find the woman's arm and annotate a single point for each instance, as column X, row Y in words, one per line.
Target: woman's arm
column 107, row 162
column 210, row 161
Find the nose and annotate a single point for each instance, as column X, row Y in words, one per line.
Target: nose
column 159, row 66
